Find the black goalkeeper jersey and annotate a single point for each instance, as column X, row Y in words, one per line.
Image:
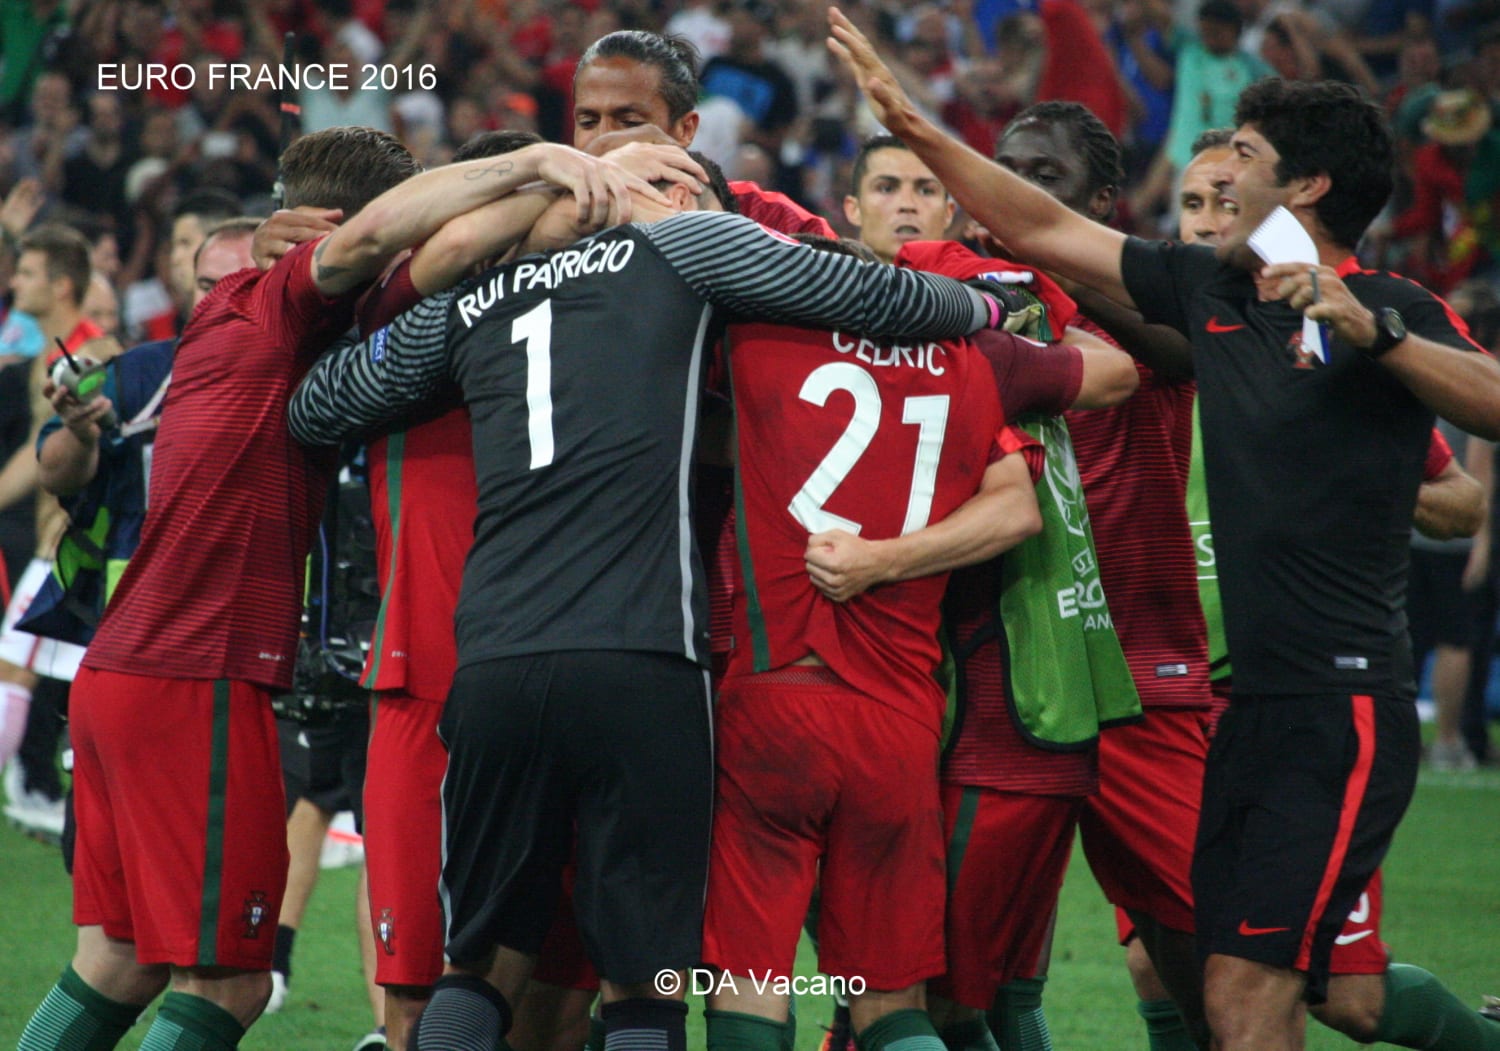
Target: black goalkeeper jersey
column 582, row 371
column 1312, row 470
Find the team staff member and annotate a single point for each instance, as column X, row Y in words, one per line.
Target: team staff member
column 553, row 454
column 1310, row 571
column 1368, row 994
column 221, row 532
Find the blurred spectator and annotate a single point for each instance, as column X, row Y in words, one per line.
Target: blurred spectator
column 700, row 24
column 352, row 46
column 1441, row 225
column 1478, row 304
column 101, row 305
column 991, row 91
column 925, row 49
column 26, row 29
column 1212, row 70
column 1418, row 68
column 802, row 51
column 94, row 171
column 1140, row 35
column 50, row 135
column 1325, row 49
column 758, row 85
column 1078, row 67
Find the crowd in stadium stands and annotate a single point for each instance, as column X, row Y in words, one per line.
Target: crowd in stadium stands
column 124, row 142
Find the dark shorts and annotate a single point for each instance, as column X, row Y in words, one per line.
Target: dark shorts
column 615, row 744
column 324, row 763
column 1301, row 797
column 1439, row 610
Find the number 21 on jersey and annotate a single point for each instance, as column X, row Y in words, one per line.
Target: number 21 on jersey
column 929, row 413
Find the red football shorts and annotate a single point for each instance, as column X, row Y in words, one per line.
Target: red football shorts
column 181, row 821
column 811, row 770
column 1007, row 854
column 1138, row 831
column 404, row 838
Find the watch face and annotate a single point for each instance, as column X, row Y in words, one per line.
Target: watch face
column 1394, row 325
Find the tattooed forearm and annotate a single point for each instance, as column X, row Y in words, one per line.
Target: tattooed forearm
column 501, row 168
column 324, row 274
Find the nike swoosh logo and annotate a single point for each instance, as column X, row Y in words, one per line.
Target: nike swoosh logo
column 1216, row 326
column 1250, row 932
column 1350, row 939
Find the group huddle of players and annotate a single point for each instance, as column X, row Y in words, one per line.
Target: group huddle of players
column 943, row 463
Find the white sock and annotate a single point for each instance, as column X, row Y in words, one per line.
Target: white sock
column 15, row 702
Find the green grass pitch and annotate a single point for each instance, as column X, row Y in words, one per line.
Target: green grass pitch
column 1442, row 912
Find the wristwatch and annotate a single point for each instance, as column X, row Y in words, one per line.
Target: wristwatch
column 1390, row 329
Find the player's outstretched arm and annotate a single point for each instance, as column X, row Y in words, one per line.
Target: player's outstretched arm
column 734, row 263
column 998, row 517
column 1034, row 226
column 413, row 211
column 358, row 387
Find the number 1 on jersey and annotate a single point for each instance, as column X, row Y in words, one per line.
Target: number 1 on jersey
column 534, row 328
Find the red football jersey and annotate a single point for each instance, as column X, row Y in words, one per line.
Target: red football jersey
column 777, row 211
column 215, row 589
column 423, row 496
column 1133, row 461
column 423, row 500
column 839, row 431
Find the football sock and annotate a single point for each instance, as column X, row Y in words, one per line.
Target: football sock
column 281, row 953
column 789, row 1030
column 1420, row 1012
column 73, row 1017
column 465, row 1012
column 905, row 1030
column 1017, row 1020
column 15, row 702
column 841, row 1030
column 596, row 1034
column 191, row 1023
column 1165, row 1029
column 644, row 1024
column 970, row 1035
column 734, row 1031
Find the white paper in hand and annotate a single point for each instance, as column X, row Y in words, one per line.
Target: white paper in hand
column 1282, row 239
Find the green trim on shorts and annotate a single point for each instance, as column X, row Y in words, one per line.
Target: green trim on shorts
column 213, row 833
column 760, row 647
column 963, row 826
column 395, row 458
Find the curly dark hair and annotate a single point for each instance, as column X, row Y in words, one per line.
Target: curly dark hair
column 1098, row 146
column 1326, row 127
column 675, row 59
